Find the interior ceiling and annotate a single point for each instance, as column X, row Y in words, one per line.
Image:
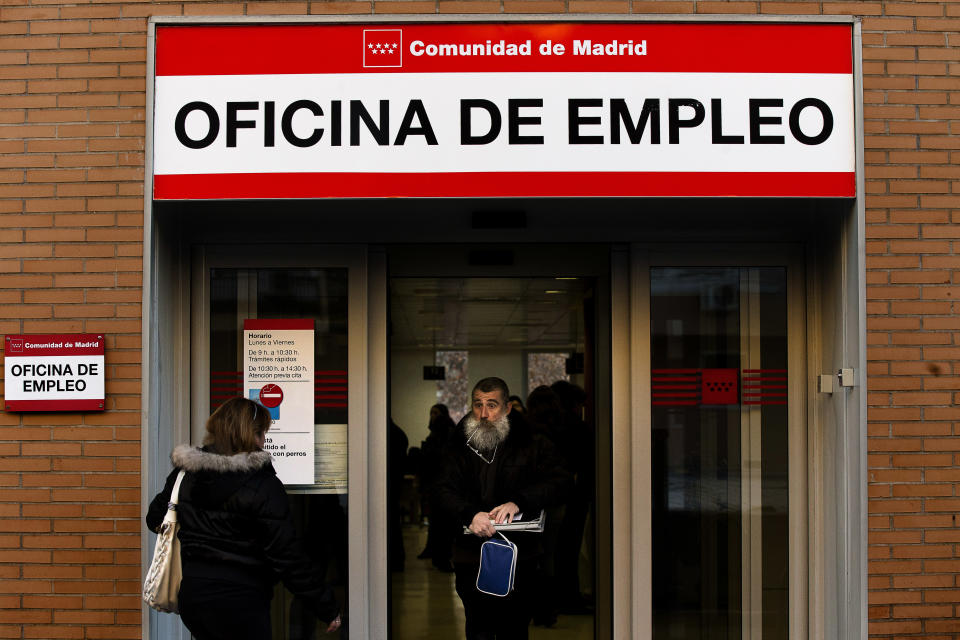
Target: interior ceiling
column 486, row 313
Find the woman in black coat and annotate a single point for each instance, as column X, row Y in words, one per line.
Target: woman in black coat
column 236, row 535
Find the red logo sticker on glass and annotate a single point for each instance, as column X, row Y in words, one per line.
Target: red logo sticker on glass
column 271, row 396
column 719, row 386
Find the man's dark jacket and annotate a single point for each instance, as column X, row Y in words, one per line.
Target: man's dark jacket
column 526, row 470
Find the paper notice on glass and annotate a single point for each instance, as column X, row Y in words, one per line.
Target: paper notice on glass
column 278, row 373
column 331, row 458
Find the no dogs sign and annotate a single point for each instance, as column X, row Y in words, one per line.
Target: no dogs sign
column 54, row 372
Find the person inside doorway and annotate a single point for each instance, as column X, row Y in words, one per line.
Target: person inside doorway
column 495, row 467
column 440, row 534
column 575, row 443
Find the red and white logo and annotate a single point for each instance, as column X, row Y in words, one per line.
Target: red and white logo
column 382, row 48
column 14, row 345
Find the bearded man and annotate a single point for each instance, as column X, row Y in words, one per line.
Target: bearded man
column 494, row 468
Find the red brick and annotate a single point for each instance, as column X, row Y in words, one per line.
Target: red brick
column 921, row 582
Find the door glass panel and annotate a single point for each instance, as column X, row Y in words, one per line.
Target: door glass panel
column 319, row 509
column 527, row 331
column 719, row 453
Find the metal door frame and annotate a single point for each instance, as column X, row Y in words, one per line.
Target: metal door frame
column 638, row 555
column 364, row 552
column 189, row 360
column 605, row 262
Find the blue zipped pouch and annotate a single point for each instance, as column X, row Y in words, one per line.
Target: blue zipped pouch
column 498, row 564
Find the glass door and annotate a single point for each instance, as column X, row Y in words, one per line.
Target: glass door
column 721, row 453
column 280, row 331
column 497, row 305
column 245, row 361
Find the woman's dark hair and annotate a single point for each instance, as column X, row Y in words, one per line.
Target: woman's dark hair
column 442, row 408
column 237, row 426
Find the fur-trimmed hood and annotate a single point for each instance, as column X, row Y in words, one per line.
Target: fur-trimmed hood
column 195, row 459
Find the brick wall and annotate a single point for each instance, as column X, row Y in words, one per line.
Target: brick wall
column 71, row 172
column 912, row 105
column 72, row 82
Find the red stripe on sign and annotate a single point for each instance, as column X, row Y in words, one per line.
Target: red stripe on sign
column 267, row 323
column 506, row 184
column 54, row 405
column 54, row 344
column 670, row 47
column 223, row 396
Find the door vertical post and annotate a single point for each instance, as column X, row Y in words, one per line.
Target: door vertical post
column 377, row 574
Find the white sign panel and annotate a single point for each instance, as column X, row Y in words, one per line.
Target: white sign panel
column 683, row 116
column 504, row 110
column 54, row 372
column 278, row 373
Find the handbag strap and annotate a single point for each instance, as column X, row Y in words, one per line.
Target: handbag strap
column 175, row 493
column 500, row 533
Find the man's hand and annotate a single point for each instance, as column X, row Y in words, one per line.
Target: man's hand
column 334, row 624
column 481, row 525
column 504, row 513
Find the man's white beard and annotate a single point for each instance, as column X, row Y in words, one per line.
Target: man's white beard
column 484, row 434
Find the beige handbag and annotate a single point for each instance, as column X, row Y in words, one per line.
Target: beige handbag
column 162, row 584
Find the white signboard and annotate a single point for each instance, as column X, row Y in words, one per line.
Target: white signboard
column 54, row 372
column 503, row 110
column 278, row 373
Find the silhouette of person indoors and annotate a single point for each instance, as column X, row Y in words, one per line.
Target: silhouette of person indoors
column 439, row 547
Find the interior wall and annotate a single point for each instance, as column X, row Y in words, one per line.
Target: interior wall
column 508, row 365
column 410, row 395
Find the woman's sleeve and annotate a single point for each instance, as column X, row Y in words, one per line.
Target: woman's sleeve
column 296, row 569
column 158, row 506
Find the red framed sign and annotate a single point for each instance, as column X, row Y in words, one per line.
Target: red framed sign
column 525, row 109
column 54, row 372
